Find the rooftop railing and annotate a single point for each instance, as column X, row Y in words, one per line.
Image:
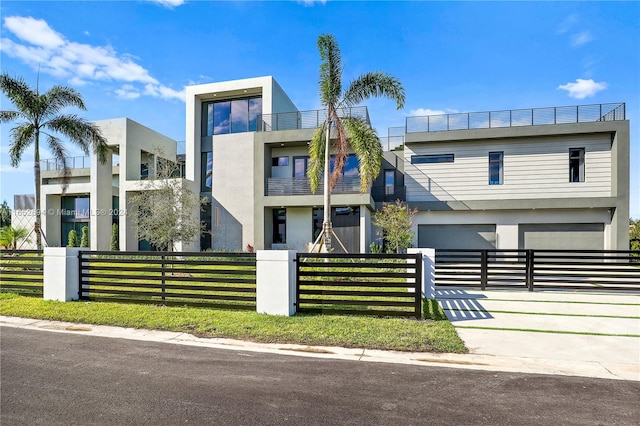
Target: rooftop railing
column 306, row 119
column 517, row 118
column 51, row 164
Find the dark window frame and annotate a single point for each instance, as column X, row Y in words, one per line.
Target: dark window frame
column 432, row 158
column 576, row 165
column 498, row 158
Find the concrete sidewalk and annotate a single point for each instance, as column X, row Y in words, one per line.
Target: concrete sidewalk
column 478, row 359
column 582, row 331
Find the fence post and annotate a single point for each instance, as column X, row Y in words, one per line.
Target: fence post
column 276, row 282
column 484, row 266
column 61, row 273
column 529, row 268
column 162, row 267
column 428, row 277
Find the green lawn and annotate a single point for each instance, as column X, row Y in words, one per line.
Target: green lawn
column 430, row 335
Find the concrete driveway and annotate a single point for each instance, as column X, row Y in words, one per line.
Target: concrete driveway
column 564, row 330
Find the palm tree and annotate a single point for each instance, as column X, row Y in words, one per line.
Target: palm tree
column 10, row 237
column 40, row 114
column 348, row 131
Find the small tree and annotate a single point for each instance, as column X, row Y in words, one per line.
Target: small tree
column 84, row 241
column 394, row 222
column 72, row 240
column 114, row 238
column 634, row 235
column 10, row 237
column 5, row 215
column 164, row 210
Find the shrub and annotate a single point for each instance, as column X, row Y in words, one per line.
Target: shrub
column 84, row 241
column 72, row 240
column 114, row 238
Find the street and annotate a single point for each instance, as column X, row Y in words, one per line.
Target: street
column 50, row 378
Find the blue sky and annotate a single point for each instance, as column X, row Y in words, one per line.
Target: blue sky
column 133, row 58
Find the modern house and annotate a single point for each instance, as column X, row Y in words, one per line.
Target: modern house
column 537, row 178
column 543, row 178
column 247, row 149
column 96, row 195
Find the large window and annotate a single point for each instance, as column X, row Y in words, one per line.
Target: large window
column 300, row 165
column 576, row 165
column 206, row 176
column 233, row 116
column 495, row 168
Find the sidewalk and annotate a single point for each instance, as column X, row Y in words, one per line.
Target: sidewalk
column 478, row 360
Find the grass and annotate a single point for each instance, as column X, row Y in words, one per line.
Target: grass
column 430, row 335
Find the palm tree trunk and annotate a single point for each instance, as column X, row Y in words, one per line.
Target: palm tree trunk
column 326, row 224
column 36, row 169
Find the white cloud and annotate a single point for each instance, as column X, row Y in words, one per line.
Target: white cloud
column 79, row 63
column 580, row 39
column 567, row 23
column 427, row 111
column 311, row 2
column 23, row 167
column 583, row 88
column 127, row 92
column 169, row 4
column 34, row 31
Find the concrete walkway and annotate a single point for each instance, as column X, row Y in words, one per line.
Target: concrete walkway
column 493, row 347
column 587, row 332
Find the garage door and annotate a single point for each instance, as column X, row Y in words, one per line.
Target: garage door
column 562, row 236
column 457, row 236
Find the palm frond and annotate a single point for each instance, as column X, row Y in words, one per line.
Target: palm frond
column 21, row 137
column 83, row 133
column 366, row 145
column 316, row 158
column 7, row 116
column 60, row 154
column 330, row 84
column 20, row 94
column 375, row 84
column 60, row 97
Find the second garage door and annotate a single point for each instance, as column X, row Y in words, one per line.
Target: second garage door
column 562, row 236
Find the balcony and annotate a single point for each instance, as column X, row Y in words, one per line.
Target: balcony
column 300, row 186
column 53, row 164
column 517, row 118
column 306, row 119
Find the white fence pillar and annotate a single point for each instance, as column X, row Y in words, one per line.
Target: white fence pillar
column 276, row 282
column 61, row 273
column 428, row 271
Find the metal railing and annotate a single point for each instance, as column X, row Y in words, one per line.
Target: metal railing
column 52, row 164
column 217, row 280
column 589, row 270
column 517, row 118
column 359, row 284
column 306, row 119
column 21, row 271
column 301, row 186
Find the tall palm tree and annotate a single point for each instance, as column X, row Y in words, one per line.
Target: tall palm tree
column 348, row 131
column 39, row 114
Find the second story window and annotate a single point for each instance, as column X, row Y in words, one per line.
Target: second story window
column 495, row 168
column 433, row 158
column 389, row 182
column 576, row 165
column 230, row 116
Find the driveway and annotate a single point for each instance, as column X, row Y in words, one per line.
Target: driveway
column 562, row 329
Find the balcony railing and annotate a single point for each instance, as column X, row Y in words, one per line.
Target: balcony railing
column 300, row 186
column 72, row 163
column 517, row 117
column 306, row 119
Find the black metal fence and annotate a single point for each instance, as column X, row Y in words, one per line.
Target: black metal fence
column 539, row 269
column 21, row 271
column 361, row 284
column 221, row 280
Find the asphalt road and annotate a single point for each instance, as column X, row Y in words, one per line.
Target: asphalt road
column 50, row 378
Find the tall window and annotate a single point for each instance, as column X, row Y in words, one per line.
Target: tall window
column 300, row 166
column 206, row 175
column 495, row 168
column 389, row 182
column 232, row 116
column 279, row 226
column 576, row 165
